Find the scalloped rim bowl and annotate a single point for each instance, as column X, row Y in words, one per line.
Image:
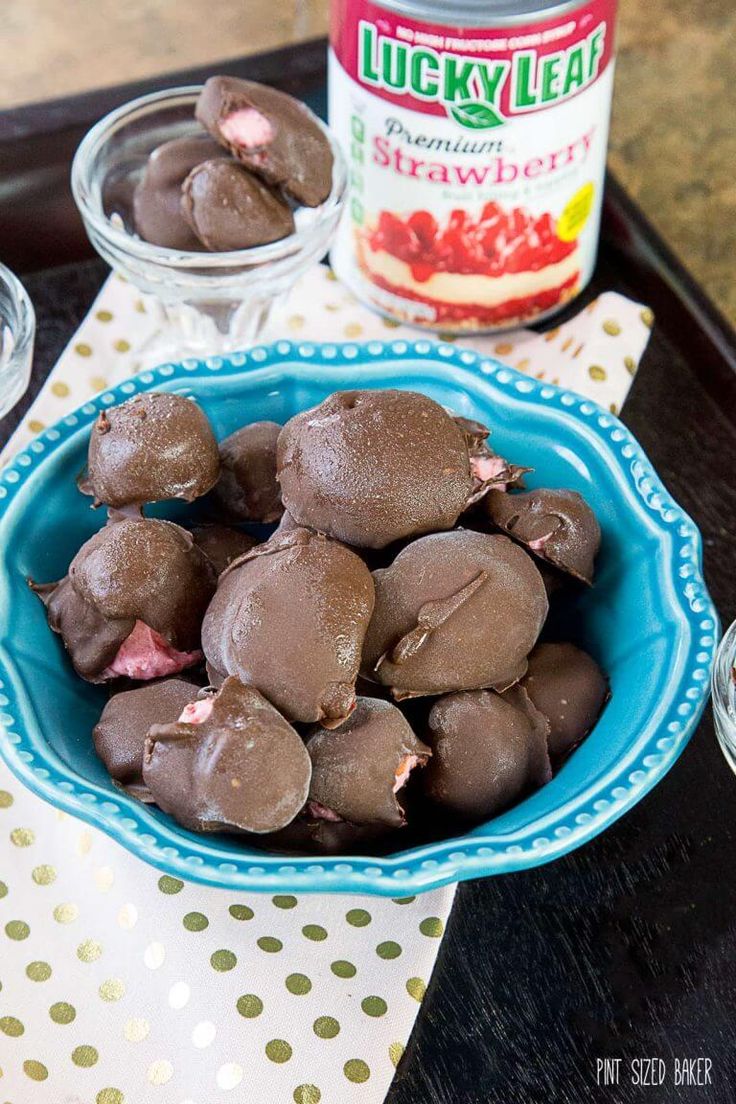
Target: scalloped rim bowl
column 588, row 794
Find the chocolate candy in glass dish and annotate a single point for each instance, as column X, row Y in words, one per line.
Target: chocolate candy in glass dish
column 488, row 751
column 230, row 761
column 222, row 544
column 454, row 611
column 289, row 618
column 373, row 467
column 568, row 687
column 157, row 212
column 120, row 734
column 556, row 525
column 359, row 769
column 153, row 447
column 271, row 134
column 227, row 207
column 248, row 489
column 133, row 601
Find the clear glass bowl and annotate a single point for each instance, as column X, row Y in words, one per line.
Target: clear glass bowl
column 724, row 695
column 212, row 302
column 17, row 331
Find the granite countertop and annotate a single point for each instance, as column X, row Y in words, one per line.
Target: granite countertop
column 673, row 138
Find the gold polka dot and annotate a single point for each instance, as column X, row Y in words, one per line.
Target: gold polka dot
column 121, row 345
column 85, row 1056
column 109, row 1096
column 104, row 316
column 330, row 275
column 84, row 842
column 104, row 879
column 38, row 971
column 611, row 327
column 523, row 364
column 395, row 1052
column 296, row 321
column 66, row 913
column 353, row 329
column 128, row 917
column 97, row 383
column 503, row 348
column 598, row 373
column 630, row 365
column 43, row 875
column 112, row 989
column 136, row 1030
column 83, row 349
column 6, row 799
column 17, row 930
column 160, row 1072
column 613, row 408
column 390, row 323
column 89, row 951
column 22, row 837
column 35, row 426
column 35, row 1070
column 647, row 317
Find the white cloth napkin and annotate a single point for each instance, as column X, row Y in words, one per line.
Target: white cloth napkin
column 120, row 986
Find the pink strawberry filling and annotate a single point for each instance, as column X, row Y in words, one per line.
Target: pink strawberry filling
column 144, row 654
column 197, row 712
column 538, row 544
column 247, row 128
column 404, row 769
column 321, row 812
column 487, row 467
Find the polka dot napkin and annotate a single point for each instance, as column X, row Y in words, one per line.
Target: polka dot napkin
column 119, row 985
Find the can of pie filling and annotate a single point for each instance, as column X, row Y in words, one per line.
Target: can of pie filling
column 476, row 136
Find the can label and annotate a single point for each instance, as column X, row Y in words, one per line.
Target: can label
column 477, row 159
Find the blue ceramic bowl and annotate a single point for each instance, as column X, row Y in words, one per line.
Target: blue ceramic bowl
column 648, row 620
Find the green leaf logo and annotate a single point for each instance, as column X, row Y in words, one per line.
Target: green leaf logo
column 476, row 115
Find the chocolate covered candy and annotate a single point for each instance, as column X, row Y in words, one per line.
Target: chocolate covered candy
column 247, row 489
column 120, row 734
column 228, row 207
column 270, row 133
column 221, row 544
column 229, row 761
column 454, row 611
column 359, row 769
column 569, row 688
column 153, row 447
column 488, row 750
column 289, row 618
column 133, row 601
column 488, row 468
column 372, row 467
column 556, row 525
column 157, row 212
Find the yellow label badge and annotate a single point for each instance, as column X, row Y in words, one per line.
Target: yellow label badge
column 576, row 213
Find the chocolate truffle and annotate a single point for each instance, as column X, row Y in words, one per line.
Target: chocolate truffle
column 372, row 467
column 289, row 618
column 247, row 489
column 454, row 611
column 228, row 207
column 487, row 751
column 153, row 447
column 157, row 213
column 230, row 761
column 569, row 688
column 133, row 601
column 359, row 769
column 270, row 133
column 221, row 544
column 120, row 734
column 556, row 525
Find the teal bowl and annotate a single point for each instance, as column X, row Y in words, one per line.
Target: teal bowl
column 648, row 620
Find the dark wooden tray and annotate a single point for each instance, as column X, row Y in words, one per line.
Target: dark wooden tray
column 625, row 947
